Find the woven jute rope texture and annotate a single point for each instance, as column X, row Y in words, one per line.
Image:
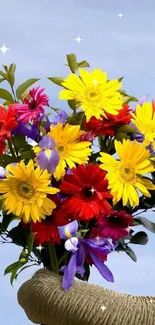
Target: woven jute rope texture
column 45, row 302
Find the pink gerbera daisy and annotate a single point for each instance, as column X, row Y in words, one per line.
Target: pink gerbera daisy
column 31, row 109
column 114, row 224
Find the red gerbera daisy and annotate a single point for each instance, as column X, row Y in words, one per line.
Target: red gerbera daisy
column 114, row 224
column 106, row 126
column 32, row 108
column 46, row 232
column 7, row 124
column 87, row 192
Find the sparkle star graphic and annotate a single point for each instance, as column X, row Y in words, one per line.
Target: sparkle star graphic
column 78, row 39
column 3, row 49
column 40, row 247
column 120, row 15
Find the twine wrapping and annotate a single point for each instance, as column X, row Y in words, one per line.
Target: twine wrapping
column 45, row 302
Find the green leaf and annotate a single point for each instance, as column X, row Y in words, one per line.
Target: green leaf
column 131, row 253
column 5, row 68
column 12, row 267
column 75, row 119
column 6, row 160
column 19, row 141
column 83, row 64
column 4, row 94
column 12, row 68
column 57, row 80
column 128, row 99
column 126, row 129
column 24, row 86
column 17, row 234
column 72, row 104
column 54, row 109
column 6, row 220
column 27, row 152
column 120, row 79
column 13, row 275
column 72, row 62
column 146, row 223
column 1, row 80
column 30, row 242
column 4, row 75
column 140, row 238
column 11, row 78
column 25, row 267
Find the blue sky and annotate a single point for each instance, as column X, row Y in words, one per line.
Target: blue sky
column 39, row 35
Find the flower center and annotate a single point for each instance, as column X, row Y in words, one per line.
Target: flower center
column 87, row 191
column 93, row 93
column 26, row 190
column 114, row 220
column 60, row 149
column 33, row 104
column 127, row 174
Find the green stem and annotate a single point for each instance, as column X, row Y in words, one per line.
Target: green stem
column 15, row 148
column 82, row 120
column 62, row 258
column 11, row 148
column 14, row 96
column 53, row 258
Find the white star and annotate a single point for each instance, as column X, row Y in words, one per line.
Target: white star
column 120, row 15
column 3, row 49
column 95, row 82
column 103, row 308
column 78, row 39
column 40, row 248
column 92, row 190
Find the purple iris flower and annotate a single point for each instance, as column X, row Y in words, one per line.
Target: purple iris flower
column 80, row 248
column 48, row 157
column 60, row 117
column 2, row 172
column 30, row 132
column 47, row 122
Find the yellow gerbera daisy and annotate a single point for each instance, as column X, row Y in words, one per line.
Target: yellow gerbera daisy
column 125, row 176
column 71, row 150
column 25, row 192
column 96, row 95
column 144, row 120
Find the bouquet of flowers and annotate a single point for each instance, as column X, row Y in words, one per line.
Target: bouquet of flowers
column 72, row 184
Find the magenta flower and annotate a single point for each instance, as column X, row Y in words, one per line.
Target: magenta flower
column 31, row 109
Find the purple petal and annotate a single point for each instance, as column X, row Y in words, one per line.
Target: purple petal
column 142, row 100
column 69, row 273
column 48, row 162
column 60, row 117
column 2, row 172
column 71, row 244
column 100, row 244
column 102, row 268
column 47, row 142
column 68, row 230
column 80, row 260
column 30, row 132
column 47, row 123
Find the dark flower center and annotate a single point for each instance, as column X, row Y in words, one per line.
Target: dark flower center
column 87, row 191
column 115, row 220
column 33, row 104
